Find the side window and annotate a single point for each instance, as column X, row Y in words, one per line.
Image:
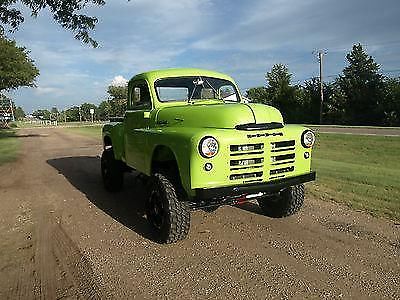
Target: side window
column 227, row 92
column 140, row 96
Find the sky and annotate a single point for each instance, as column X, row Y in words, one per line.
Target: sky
column 241, row 38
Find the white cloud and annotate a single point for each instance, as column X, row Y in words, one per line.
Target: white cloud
column 242, row 38
column 119, row 81
column 43, row 90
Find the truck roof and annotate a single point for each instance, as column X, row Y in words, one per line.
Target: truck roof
column 157, row 74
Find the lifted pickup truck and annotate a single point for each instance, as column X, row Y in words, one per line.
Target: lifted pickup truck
column 190, row 132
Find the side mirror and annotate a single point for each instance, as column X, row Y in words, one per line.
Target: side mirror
column 146, row 115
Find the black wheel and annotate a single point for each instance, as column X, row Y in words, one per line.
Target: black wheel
column 165, row 210
column 286, row 203
column 210, row 209
column 112, row 171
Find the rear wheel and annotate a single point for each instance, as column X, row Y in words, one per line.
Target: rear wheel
column 112, row 171
column 165, row 210
column 286, row 203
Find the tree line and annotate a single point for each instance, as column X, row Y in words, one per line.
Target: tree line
column 360, row 95
column 114, row 105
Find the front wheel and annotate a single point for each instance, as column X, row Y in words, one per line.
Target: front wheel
column 286, row 203
column 169, row 215
column 111, row 171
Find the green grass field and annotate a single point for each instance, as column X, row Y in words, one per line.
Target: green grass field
column 90, row 131
column 362, row 172
column 8, row 146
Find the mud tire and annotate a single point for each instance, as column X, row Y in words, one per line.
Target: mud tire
column 286, row 203
column 166, row 211
column 112, row 171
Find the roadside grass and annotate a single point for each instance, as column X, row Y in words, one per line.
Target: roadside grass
column 8, row 146
column 24, row 124
column 89, row 131
column 361, row 171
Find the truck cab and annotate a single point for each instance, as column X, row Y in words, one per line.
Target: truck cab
column 201, row 145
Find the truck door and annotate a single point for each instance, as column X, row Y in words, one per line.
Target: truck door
column 136, row 123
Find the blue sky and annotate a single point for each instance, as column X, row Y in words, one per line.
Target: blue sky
column 241, row 38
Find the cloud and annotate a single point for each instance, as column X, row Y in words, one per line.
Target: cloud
column 119, row 81
column 46, row 90
column 241, row 38
column 277, row 24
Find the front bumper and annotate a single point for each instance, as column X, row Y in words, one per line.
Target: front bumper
column 245, row 189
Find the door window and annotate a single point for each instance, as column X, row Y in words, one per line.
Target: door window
column 140, row 97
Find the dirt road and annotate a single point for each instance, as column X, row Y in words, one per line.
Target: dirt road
column 62, row 235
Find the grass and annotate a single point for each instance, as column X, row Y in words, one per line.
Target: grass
column 361, row 171
column 23, row 124
column 92, row 131
column 8, row 146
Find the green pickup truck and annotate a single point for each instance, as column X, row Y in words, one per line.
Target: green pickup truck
column 201, row 145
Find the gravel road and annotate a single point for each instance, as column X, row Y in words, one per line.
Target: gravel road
column 63, row 236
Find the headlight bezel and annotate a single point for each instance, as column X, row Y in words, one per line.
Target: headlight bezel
column 201, row 144
column 303, row 142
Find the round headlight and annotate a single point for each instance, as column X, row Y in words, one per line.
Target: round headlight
column 208, row 147
column 308, row 139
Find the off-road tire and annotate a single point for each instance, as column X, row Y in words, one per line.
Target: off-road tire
column 286, row 203
column 112, row 171
column 173, row 211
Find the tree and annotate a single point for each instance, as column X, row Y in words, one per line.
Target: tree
column 391, row 102
column 19, row 113
column 117, row 100
column 43, row 114
column 16, row 68
column 103, row 111
column 85, row 111
column 72, row 114
column 281, row 94
column 258, row 94
column 311, row 100
column 66, row 13
column 118, row 92
column 54, row 114
column 363, row 89
column 278, row 78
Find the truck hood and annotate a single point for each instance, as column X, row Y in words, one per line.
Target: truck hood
column 218, row 115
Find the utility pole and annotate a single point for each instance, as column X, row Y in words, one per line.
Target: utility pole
column 80, row 114
column 321, row 54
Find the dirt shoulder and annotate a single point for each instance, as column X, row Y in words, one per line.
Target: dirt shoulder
column 62, row 235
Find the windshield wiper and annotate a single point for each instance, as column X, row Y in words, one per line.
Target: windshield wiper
column 196, row 83
column 199, row 81
column 215, row 91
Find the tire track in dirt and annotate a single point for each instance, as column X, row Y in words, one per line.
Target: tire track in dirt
column 76, row 266
column 57, row 269
column 45, row 260
column 23, row 287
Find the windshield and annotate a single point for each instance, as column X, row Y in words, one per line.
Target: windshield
column 191, row 88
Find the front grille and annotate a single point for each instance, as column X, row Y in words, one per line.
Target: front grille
column 246, row 175
column 282, row 158
column 282, row 170
column 247, row 162
column 262, row 162
column 246, row 147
